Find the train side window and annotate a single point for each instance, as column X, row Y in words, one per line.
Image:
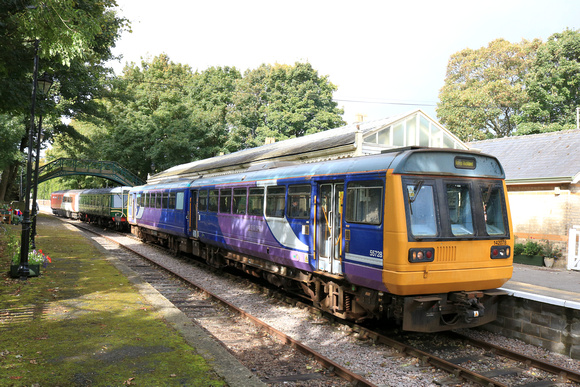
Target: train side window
column 493, row 210
column 202, row 201
column 171, row 201
column 146, row 199
column 459, row 204
column 165, row 200
column 299, row 202
column 421, row 201
column 158, row 200
column 239, row 204
column 256, row 201
column 364, row 201
column 275, row 201
column 179, row 200
column 213, row 200
column 225, row 201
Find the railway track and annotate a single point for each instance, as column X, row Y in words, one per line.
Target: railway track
column 488, row 365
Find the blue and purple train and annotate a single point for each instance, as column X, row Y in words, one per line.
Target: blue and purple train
column 422, row 236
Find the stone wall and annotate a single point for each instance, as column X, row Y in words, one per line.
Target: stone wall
column 553, row 327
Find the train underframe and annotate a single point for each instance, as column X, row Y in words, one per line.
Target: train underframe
column 335, row 295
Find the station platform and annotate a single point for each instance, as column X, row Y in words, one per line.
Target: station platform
column 555, row 286
column 98, row 323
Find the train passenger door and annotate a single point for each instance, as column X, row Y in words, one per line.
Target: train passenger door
column 193, row 214
column 329, row 227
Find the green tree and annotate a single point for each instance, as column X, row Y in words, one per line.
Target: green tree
column 75, row 39
column 553, row 84
column 484, row 89
column 282, row 102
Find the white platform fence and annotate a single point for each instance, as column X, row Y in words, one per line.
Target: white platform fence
column 574, row 249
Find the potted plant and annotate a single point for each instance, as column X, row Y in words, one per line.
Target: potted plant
column 531, row 254
column 35, row 258
column 550, row 253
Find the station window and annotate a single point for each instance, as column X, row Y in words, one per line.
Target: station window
column 202, row 201
column 256, row 201
column 364, row 202
column 212, row 202
column 299, row 202
column 226, row 201
column 239, row 204
column 275, row 201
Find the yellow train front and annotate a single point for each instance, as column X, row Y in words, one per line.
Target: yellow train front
column 447, row 240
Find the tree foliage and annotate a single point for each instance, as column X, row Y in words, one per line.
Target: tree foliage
column 282, row 102
column 513, row 89
column 161, row 114
column 553, row 83
column 484, row 89
column 74, row 38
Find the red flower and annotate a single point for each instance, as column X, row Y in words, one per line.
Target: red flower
column 48, row 258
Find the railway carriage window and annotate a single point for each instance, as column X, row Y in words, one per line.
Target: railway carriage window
column 299, row 199
column 202, row 201
column 239, row 204
column 226, row 201
column 171, row 201
column 459, row 203
column 364, row 202
column 179, row 200
column 422, row 210
column 146, row 199
column 164, row 200
column 212, row 203
column 158, row 200
column 275, row 201
column 493, row 210
column 256, row 201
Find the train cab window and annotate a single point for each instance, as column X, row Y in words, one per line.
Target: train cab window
column 364, row 201
column 275, row 201
column 202, row 201
column 225, row 201
column 299, row 202
column 239, row 204
column 171, row 201
column 213, row 200
column 179, row 200
column 256, row 201
column 493, row 210
column 459, row 204
column 422, row 216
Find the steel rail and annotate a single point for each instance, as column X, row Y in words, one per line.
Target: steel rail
column 339, row 370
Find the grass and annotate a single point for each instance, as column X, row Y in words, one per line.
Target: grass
column 81, row 323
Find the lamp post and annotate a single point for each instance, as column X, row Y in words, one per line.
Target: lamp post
column 44, row 83
column 23, row 269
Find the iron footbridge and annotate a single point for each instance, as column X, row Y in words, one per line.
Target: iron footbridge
column 107, row 169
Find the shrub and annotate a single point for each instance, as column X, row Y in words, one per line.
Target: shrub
column 532, row 248
column 519, row 249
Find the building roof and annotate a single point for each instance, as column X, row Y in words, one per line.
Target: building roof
column 538, row 158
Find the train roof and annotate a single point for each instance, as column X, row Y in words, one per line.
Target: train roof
column 412, row 160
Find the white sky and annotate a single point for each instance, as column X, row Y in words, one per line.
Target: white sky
column 394, row 52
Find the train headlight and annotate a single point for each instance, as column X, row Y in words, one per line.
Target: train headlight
column 500, row 252
column 421, row 255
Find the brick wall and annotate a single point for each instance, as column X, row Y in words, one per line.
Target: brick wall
column 548, row 326
column 545, row 212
